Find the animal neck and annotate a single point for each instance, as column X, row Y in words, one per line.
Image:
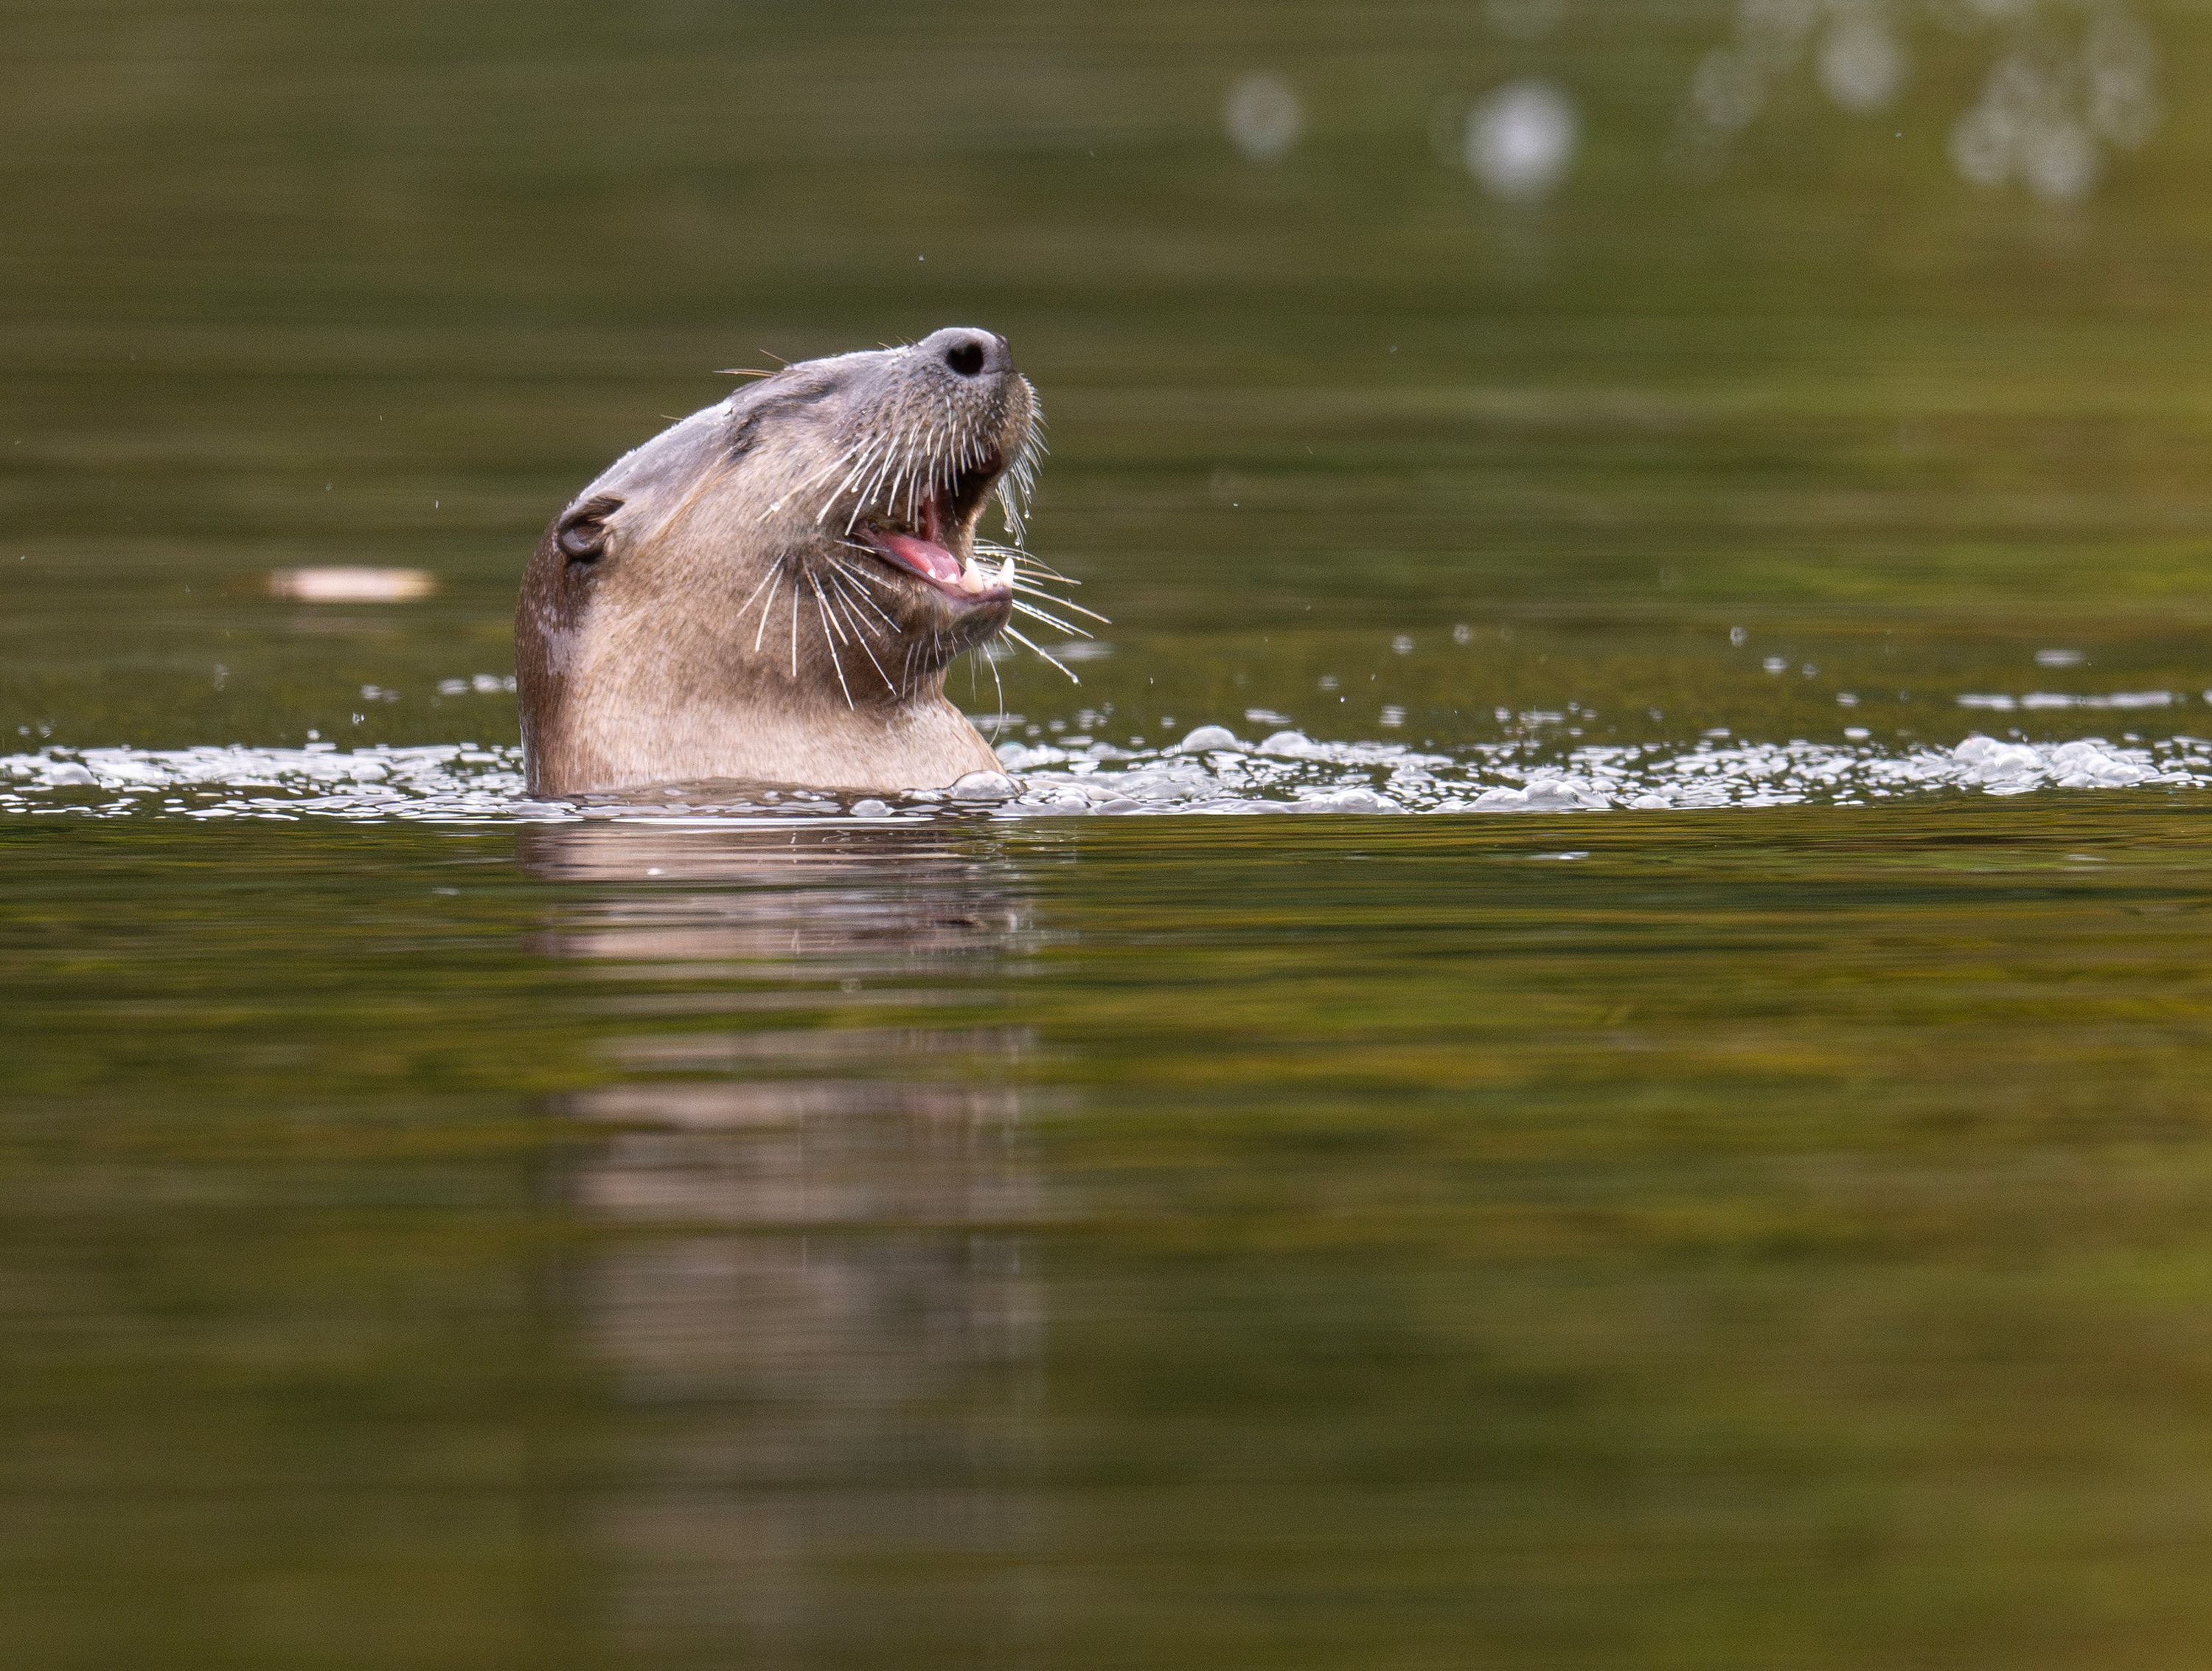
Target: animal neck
column 631, row 721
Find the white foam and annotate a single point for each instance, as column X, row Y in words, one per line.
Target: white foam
column 447, row 782
column 1210, row 770
column 2002, row 703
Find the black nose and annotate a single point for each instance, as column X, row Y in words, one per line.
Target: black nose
column 969, row 353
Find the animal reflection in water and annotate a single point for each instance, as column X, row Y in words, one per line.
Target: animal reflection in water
column 817, row 1318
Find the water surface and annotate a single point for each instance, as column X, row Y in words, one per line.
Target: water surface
column 1750, row 1215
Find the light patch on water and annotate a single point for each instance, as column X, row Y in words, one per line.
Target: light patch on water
column 2056, row 98
column 347, row 584
column 1210, row 770
column 1521, row 139
column 1263, row 117
column 1862, row 63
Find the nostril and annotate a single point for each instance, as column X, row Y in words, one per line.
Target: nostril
column 966, row 358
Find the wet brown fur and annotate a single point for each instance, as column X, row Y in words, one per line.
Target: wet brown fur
column 700, row 611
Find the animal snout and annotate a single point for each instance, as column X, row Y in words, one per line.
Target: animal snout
column 969, row 353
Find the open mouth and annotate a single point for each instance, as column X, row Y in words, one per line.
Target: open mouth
column 934, row 539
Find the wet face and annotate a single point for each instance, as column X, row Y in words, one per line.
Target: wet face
column 826, row 517
column 770, row 590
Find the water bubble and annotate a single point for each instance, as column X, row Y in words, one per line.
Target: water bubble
column 1727, row 89
column 2059, row 161
column 2121, row 63
column 2117, row 43
column 1982, row 145
column 1208, row 737
column 2123, row 112
column 1521, row 139
column 2046, row 112
column 984, row 786
column 2018, row 85
column 1861, row 62
column 1263, row 117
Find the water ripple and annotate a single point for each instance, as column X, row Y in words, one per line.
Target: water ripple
column 1210, row 770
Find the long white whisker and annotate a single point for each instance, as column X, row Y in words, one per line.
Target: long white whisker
column 835, row 465
column 868, row 652
column 1032, row 610
column 849, row 590
column 998, row 720
column 865, row 574
column 852, row 605
column 1030, row 644
column 867, row 462
column 801, row 485
column 1027, row 558
column 1063, row 603
column 756, row 592
column 861, row 463
column 815, row 581
column 875, row 484
column 883, row 485
column 914, row 482
column 819, row 471
column 776, row 575
column 829, row 643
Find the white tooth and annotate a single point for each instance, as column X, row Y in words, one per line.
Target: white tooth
column 1006, row 574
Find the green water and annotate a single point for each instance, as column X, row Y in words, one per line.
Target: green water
column 1761, row 1238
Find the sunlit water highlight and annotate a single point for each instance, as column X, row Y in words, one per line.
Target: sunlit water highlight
column 1210, row 770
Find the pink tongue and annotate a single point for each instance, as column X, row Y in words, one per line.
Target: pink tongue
column 924, row 557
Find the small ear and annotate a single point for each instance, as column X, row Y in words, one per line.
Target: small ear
column 582, row 534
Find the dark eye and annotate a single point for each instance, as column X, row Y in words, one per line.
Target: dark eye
column 582, row 535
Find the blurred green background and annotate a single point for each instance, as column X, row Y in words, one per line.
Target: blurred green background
column 1738, row 344
column 1765, row 1239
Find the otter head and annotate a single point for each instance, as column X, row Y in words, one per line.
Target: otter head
column 772, row 590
